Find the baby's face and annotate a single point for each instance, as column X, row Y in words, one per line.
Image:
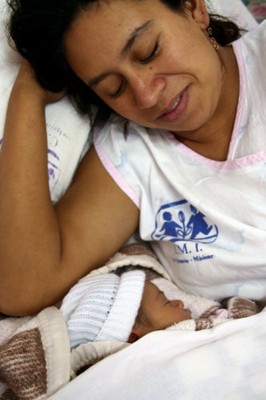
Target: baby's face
column 157, row 312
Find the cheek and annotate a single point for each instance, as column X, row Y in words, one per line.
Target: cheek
column 172, row 316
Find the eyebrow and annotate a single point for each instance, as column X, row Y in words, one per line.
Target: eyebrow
column 134, row 35
column 129, row 44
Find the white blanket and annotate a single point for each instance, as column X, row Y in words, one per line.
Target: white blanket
column 226, row 362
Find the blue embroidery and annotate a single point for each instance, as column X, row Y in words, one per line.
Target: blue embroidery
column 181, row 221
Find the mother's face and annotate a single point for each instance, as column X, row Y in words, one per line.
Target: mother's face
column 148, row 63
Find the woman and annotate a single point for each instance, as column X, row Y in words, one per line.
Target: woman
column 185, row 183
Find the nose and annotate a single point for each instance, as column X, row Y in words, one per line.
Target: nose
column 178, row 303
column 146, row 88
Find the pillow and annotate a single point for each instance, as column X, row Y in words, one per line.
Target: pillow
column 68, row 133
column 237, row 11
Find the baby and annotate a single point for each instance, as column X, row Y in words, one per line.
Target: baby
column 131, row 303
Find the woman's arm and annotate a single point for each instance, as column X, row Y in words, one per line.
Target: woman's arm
column 44, row 250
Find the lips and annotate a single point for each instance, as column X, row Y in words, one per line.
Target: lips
column 173, row 106
column 176, row 108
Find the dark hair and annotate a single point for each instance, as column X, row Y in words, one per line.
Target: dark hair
column 37, row 28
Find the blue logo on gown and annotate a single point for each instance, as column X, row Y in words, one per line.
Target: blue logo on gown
column 181, row 221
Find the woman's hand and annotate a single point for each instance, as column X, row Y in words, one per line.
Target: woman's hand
column 27, row 82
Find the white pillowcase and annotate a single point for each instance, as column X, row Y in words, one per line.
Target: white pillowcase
column 236, row 10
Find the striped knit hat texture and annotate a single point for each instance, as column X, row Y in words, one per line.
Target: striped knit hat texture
column 103, row 307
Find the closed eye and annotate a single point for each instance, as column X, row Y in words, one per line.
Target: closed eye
column 145, row 60
column 119, row 91
column 152, row 54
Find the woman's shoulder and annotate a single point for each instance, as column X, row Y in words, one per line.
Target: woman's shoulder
column 119, row 135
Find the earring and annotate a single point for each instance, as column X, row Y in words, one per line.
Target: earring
column 212, row 39
column 188, row 5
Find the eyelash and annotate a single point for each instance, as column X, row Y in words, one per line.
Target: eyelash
column 152, row 55
column 146, row 60
column 119, row 91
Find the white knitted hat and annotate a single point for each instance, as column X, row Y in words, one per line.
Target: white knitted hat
column 103, row 307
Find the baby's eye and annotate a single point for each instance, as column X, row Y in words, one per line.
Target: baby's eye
column 151, row 55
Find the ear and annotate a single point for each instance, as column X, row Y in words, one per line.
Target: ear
column 133, row 337
column 198, row 11
column 137, row 332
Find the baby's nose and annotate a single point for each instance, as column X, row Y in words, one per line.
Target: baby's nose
column 178, row 303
